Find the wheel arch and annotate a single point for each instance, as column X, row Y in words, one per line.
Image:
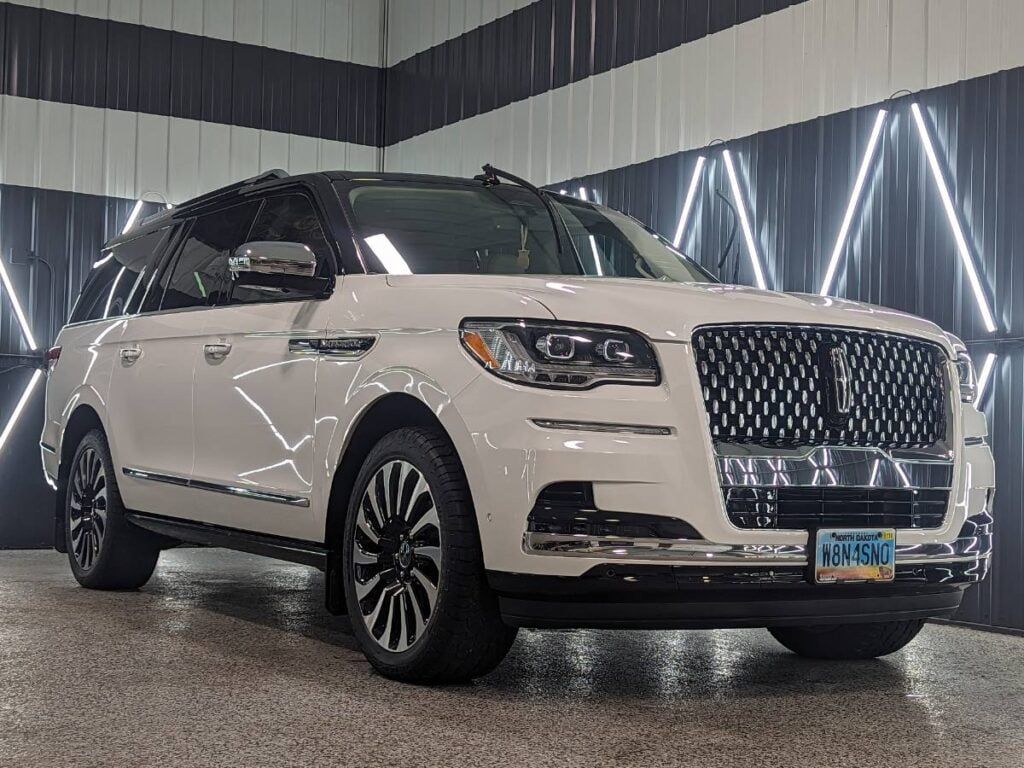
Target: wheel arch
column 383, row 415
column 83, row 420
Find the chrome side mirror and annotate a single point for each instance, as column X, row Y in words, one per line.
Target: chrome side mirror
column 269, row 257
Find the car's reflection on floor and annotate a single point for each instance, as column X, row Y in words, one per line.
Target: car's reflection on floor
column 230, row 659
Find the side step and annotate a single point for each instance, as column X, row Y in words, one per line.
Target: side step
column 292, row 550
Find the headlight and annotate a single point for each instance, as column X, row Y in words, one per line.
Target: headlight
column 560, row 356
column 968, row 377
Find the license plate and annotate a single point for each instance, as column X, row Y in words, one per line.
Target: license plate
column 854, row 554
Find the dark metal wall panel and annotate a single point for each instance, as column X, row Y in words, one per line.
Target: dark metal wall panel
column 545, row 45
column 49, row 240
column 901, row 253
column 100, row 63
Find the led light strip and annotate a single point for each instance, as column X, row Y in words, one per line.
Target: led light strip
column 984, row 376
column 136, row 210
column 748, row 233
column 851, row 207
column 16, row 413
column 954, row 221
column 22, row 320
column 691, row 194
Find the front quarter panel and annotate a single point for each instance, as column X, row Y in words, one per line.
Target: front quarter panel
column 416, row 352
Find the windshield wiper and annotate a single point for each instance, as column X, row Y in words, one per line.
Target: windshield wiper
column 490, row 177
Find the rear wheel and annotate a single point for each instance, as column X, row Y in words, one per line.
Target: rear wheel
column 105, row 550
column 413, row 569
column 848, row 641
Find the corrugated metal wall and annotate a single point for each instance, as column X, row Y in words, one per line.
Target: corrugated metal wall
column 101, row 102
column 795, row 92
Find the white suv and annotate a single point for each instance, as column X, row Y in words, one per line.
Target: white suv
column 478, row 406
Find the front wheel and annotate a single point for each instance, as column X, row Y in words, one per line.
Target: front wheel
column 415, row 587
column 848, row 641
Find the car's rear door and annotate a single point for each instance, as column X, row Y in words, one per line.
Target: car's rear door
column 255, row 388
column 151, row 388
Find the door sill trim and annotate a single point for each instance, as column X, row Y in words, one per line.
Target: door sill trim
column 202, row 485
column 210, row 535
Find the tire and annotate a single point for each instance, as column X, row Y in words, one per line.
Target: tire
column 848, row 641
column 105, row 550
column 429, row 551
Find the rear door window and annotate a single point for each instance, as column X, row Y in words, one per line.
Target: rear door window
column 115, row 285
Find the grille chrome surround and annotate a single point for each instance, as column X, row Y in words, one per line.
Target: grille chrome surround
column 773, row 385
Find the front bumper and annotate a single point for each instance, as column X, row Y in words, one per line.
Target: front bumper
column 677, row 597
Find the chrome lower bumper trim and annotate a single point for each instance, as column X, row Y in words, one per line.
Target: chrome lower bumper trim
column 702, row 552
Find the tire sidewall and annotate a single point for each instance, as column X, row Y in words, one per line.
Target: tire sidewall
column 97, row 442
column 387, row 450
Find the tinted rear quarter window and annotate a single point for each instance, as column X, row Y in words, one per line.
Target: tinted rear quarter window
column 118, row 278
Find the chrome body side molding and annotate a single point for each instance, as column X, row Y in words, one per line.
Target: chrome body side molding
column 232, row 490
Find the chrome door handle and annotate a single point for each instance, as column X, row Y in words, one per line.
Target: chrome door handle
column 216, row 351
column 130, row 354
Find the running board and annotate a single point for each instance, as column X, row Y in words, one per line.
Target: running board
column 278, row 547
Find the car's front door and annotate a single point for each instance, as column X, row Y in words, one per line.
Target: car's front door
column 255, row 386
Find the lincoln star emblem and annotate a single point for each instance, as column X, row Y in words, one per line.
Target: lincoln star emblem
column 842, row 381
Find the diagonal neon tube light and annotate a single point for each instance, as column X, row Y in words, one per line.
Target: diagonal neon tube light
column 748, row 233
column 136, row 210
column 954, row 221
column 851, row 207
column 16, row 413
column 984, row 376
column 22, row 320
column 691, row 194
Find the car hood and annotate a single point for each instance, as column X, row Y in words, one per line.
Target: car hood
column 666, row 311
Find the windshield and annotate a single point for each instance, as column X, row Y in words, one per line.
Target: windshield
column 428, row 228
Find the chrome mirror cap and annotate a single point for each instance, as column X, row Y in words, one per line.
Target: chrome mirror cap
column 270, row 257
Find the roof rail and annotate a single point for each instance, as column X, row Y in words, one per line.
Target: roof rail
column 276, row 173
column 160, row 215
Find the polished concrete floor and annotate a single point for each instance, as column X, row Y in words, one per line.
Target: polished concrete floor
column 230, row 660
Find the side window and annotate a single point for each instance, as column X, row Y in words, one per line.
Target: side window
column 119, row 277
column 289, row 218
column 199, row 275
column 292, row 219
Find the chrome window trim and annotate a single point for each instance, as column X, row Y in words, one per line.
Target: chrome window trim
column 202, row 485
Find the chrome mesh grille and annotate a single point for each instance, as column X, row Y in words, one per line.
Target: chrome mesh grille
column 773, row 385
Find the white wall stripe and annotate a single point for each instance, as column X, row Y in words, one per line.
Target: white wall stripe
column 417, row 25
column 107, row 152
column 341, row 30
column 786, row 67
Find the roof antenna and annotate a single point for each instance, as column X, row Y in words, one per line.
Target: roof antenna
column 488, row 177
